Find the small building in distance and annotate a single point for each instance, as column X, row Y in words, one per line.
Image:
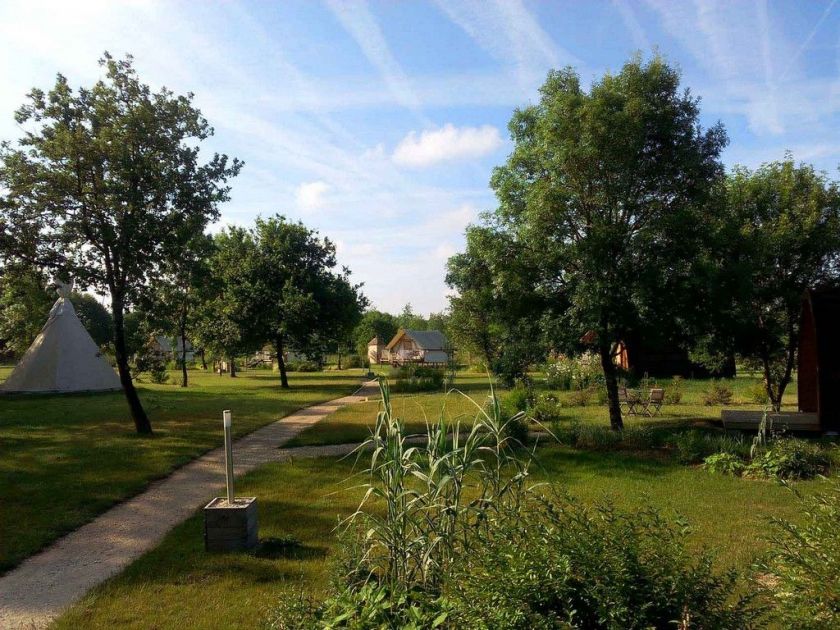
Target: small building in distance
column 171, row 348
column 377, row 352
column 429, row 347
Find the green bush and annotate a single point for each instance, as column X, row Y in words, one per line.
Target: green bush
column 302, row 366
column 800, row 574
column 719, row 393
column 518, row 398
column 580, row 397
column 561, row 564
column 353, row 361
column 547, row 409
column 758, row 394
column 418, row 378
column 593, row 437
column 674, row 393
column 724, row 463
column 574, row 373
column 694, row 446
column 789, row 458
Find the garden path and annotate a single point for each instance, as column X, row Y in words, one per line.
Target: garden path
column 38, row 590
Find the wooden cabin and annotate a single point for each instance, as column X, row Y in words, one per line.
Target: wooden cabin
column 818, row 371
column 429, row 347
column 377, row 352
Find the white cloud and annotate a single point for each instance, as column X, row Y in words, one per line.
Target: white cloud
column 310, row 195
column 447, row 143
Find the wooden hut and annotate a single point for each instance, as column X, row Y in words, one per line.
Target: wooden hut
column 419, row 346
column 818, row 384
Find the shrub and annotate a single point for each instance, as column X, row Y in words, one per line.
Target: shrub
column 353, row 361
column 718, row 394
column 418, row 378
column 674, row 393
column 724, row 463
column 565, row 565
column 574, row 372
column 758, row 394
column 547, row 409
column 789, row 458
column 800, row 572
column 601, row 438
column 518, row 398
column 580, row 397
column 303, row 366
column 694, row 446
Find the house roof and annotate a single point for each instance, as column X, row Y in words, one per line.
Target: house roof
column 426, row 339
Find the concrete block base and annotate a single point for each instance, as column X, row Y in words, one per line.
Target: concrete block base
column 231, row 527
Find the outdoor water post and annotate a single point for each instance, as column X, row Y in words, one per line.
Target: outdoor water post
column 230, row 524
column 226, row 421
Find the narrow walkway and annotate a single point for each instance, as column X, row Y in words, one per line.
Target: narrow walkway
column 44, row 585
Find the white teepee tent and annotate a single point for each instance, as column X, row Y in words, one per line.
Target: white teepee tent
column 63, row 358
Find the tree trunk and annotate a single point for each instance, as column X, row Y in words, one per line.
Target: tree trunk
column 339, row 357
column 183, row 332
column 232, row 367
column 611, row 381
column 203, row 359
column 281, row 363
column 138, row 414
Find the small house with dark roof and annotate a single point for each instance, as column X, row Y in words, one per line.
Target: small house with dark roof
column 429, row 347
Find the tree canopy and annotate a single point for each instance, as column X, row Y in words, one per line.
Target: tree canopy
column 603, row 194
column 106, row 184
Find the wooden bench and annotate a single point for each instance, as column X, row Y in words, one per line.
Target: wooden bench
column 789, row 421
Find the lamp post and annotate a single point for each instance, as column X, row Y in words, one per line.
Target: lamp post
column 230, row 524
column 227, row 421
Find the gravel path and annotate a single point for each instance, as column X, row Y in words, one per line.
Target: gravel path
column 38, row 590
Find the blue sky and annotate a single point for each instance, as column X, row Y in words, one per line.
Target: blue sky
column 378, row 123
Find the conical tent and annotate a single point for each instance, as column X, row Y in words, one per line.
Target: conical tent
column 63, row 358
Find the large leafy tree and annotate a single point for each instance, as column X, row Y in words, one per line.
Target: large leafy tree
column 25, row 302
column 496, row 310
column 604, row 192
column 374, row 324
column 780, row 236
column 106, row 185
column 284, row 284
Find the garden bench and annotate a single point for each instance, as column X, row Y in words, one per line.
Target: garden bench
column 629, row 400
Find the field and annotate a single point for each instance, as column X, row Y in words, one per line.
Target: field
column 179, row 585
column 65, row 459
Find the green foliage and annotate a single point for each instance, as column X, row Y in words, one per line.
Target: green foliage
column 694, row 446
column 789, row 458
column 724, row 463
column 719, row 393
column 95, row 318
column 374, row 324
column 674, row 391
column 353, row 361
column 413, row 378
column 561, row 564
column 600, row 438
column 800, row 573
column 152, row 362
column 519, row 398
column 779, row 236
column 24, row 305
column 580, row 397
column 303, row 366
column 575, row 373
column 758, row 394
column 547, row 409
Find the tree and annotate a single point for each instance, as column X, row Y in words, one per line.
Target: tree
column 374, row 324
column 781, row 236
column 604, row 193
column 408, row 319
column 95, row 317
column 495, row 312
column 281, row 277
column 182, row 290
column 25, row 303
column 106, row 185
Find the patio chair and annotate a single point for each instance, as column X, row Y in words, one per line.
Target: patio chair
column 654, row 402
column 628, row 400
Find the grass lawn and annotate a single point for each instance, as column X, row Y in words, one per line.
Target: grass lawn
column 178, row 585
column 353, row 424
column 65, row 459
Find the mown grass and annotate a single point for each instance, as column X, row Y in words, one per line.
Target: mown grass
column 180, row 585
column 65, row 459
column 353, row 424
